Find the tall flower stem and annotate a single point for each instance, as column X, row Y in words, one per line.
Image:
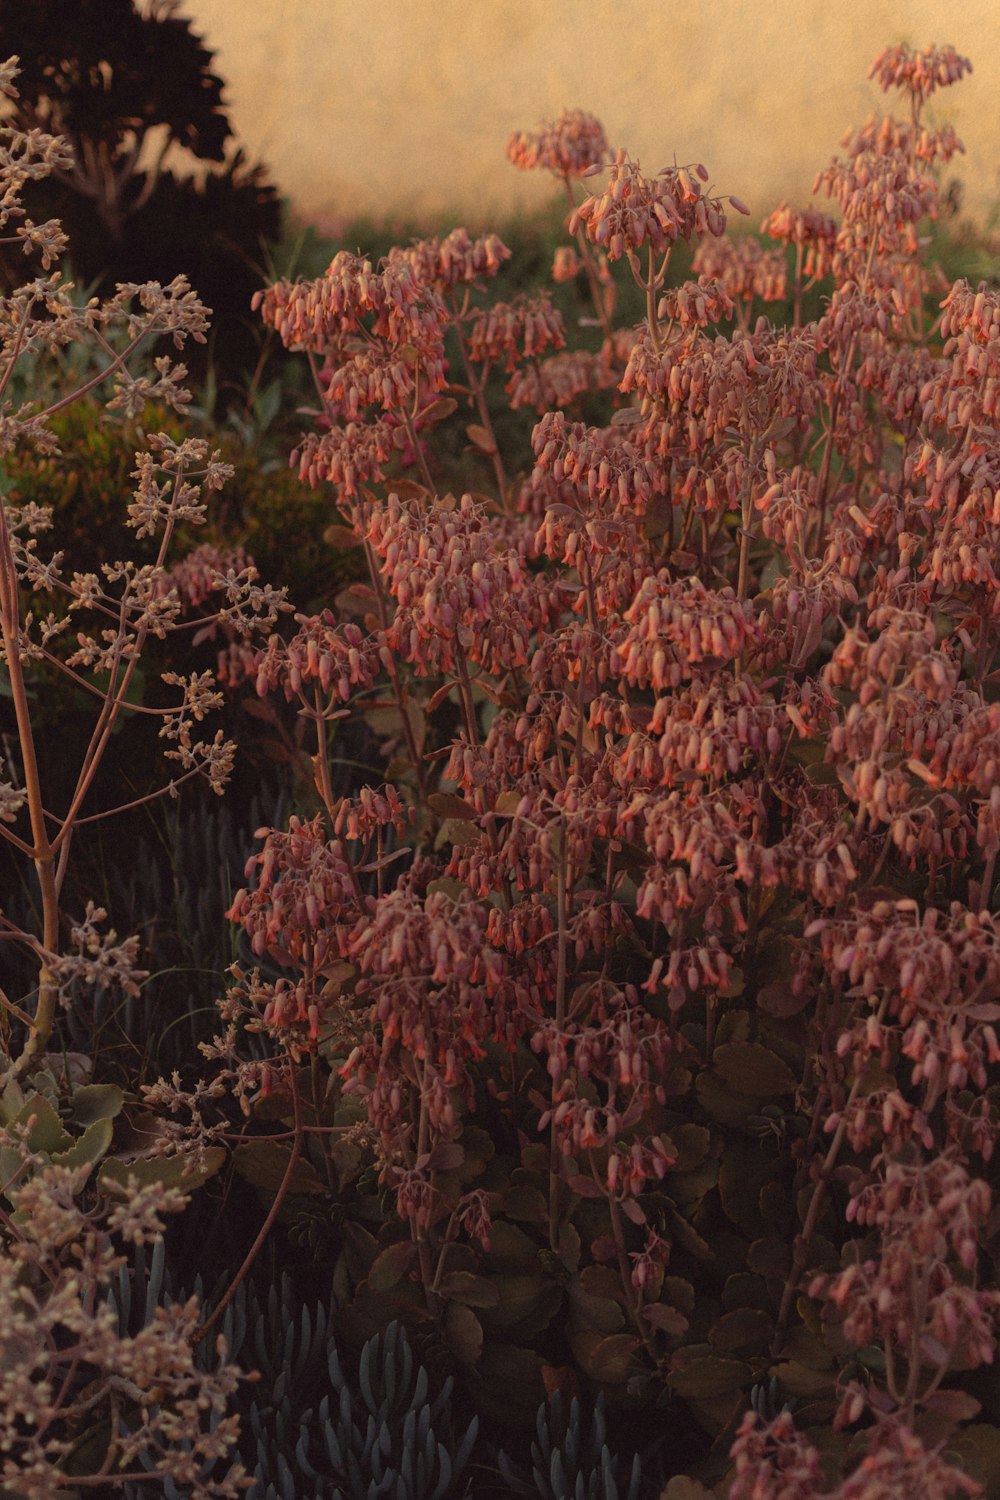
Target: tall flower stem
column 477, row 387
column 803, row 1241
column 42, row 852
column 590, row 266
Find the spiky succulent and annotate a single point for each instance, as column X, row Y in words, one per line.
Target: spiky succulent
column 571, row 1463
column 309, row 1427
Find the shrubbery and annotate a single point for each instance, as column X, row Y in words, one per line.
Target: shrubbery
column 632, row 1035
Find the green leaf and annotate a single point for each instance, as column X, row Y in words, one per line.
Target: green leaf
column 526, row 1204
column 688, row 1238
column 510, row 1249
column 595, row 1314
column 170, row 1171
column 525, row 1302
column 473, row 1291
column 720, row 1101
column 753, row 1069
column 733, row 1027
column 978, row 1448
column 458, row 831
column 698, row 1375
column 611, row 1360
column 743, row 1289
column 480, row 438
column 341, row 536
column 264, row 1164
column 801, row 1381
column 510, row 1386
column 744, row 1329
column 665, row 1319
column 770, row 1257
column 438, row 410
column 11, row 1100
column 449, row 805
column 463, row 1332
column 391, row 1266
column 360, row 1249
column 96, row 1101
column 446, row 1156
column 690, row 1147
column 682, row 1488
column 88, row 1150
column 479, row 1148
column 745, row 1171
column 46, row 1133
column 449, row 886
column 357, row 599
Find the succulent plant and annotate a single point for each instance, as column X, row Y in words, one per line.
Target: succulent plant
column 387, row 1443
column 307, row 1425
column 570, row 1463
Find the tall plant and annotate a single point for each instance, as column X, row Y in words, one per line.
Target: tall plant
column 95, row 635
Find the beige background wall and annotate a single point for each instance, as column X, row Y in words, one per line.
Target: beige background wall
column 402, row 108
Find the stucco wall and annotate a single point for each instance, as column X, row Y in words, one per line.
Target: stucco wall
column 406, row 114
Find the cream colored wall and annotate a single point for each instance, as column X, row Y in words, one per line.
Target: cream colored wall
column 402, row 108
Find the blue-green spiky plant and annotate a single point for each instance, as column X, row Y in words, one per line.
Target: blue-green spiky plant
column 379, row 1437
column 385, row 1440
column 570, row 1463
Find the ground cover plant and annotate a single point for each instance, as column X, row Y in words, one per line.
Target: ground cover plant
column 626, row 1044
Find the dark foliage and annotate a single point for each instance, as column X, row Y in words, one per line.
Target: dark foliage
column 126, row 84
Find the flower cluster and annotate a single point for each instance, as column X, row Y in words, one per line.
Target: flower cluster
column 570, row 146
column 691, row 849
column 634, row 210
column 919, row 72
column 305, row 902
column 332, row 658
column 743, row 268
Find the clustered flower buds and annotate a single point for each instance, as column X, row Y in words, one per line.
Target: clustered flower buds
column 570, row 146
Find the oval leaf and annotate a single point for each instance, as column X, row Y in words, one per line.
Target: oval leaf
column 390, row 1267
column 264, row 1164
column 480, row 438
column 473, row 1291
column 611, row 1360
column 439, row 409
column 96, row 1101
column 753, row 1069
column 463, row 1332
column 699, row 1376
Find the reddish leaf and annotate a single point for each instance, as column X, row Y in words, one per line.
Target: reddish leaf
column 438, row 410
column 480, row 439
column 584, row 1187
column 409, row 489
column 665, row 1319
column 341, row 536
column 449, row 805
column 473, row 1291
column 507, row 804
column 464, row 1333
column 445, row 1157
